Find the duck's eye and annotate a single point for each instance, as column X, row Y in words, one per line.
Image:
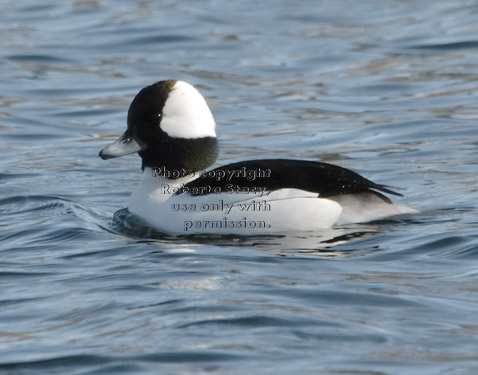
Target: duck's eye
column 126, row 140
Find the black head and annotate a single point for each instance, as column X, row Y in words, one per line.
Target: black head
column 171, row 127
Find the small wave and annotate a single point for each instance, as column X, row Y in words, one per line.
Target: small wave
column 29, row 203
column 471, row 44
column 36, row 58
column 89, row 360
column 50, row 363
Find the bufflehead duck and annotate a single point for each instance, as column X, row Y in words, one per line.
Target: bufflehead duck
column 172, row 129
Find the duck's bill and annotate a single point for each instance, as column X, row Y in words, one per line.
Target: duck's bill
column 124, row 145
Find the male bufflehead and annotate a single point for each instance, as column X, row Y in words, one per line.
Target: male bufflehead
column 172, row 129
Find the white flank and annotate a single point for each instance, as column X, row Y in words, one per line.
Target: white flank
column 240, row 213
column 366, row 206
column 186, row 113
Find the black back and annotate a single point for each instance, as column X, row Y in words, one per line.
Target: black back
column 324, row 179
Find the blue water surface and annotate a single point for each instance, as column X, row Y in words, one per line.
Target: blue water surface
column 386, row 88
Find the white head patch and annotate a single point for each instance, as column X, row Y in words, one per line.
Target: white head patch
column 186, row 113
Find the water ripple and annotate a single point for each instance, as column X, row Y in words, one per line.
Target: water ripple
column 469, row 44
column 387, row 89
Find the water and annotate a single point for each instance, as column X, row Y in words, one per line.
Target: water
column 388, row 89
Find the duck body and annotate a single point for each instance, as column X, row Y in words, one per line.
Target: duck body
column 172, row 129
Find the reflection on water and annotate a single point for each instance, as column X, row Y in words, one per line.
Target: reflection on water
column 320, row 243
